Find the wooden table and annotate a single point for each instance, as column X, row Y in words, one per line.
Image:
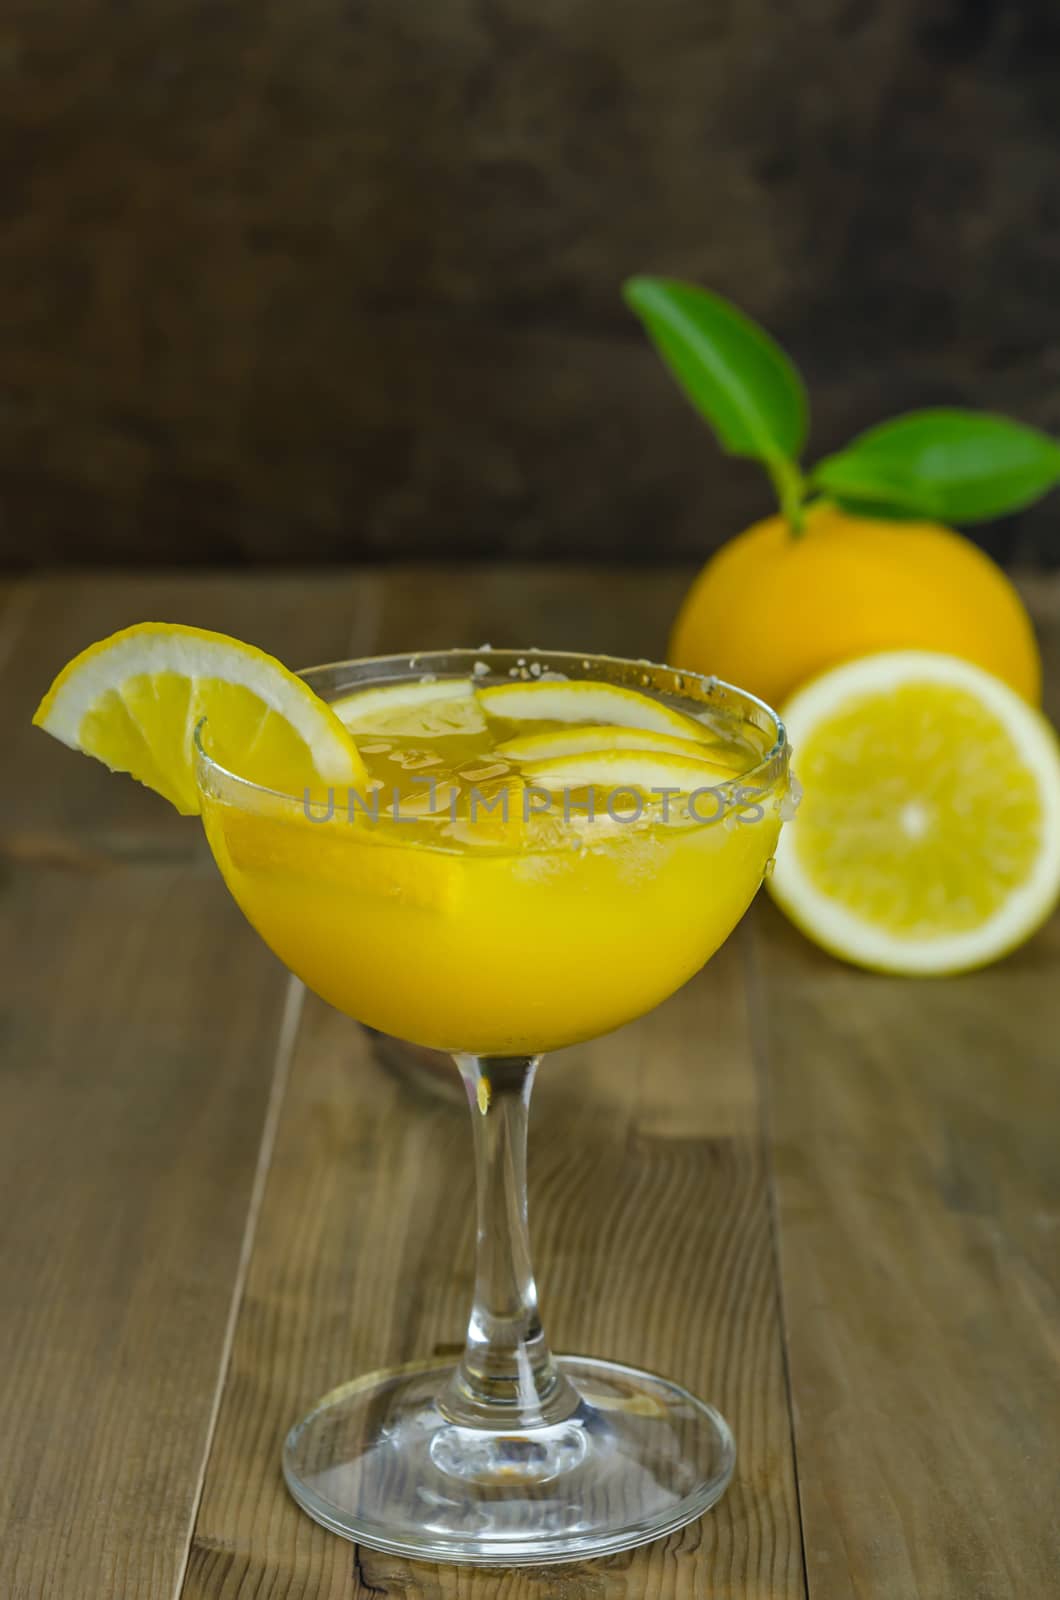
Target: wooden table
column 827, row 1201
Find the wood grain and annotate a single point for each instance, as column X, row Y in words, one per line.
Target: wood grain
column 134, row 1088
column 1041, row 595
column 914, row 1150
column 141, row 1023
column 648, row 1204
column 607, row 609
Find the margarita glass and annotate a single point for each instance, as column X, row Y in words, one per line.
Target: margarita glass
column 496, row 937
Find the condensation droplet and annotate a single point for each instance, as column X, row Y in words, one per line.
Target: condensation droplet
column 789, row 802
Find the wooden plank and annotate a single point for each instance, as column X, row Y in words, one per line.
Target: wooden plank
column 138, row 1050
column 140, row 1041
column 914, row 1139
column 651, row 1138
column 615, row 610
column 914, row 1132
column 1041, row 595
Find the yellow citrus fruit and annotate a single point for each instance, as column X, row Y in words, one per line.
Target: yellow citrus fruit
column 578, row 739
column 579, row 700
column 135, row 699
column 440, row 706
column 772, row 609
column 928, row 837
column 643, row 770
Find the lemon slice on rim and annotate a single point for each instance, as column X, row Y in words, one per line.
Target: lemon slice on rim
column 581, row 700
column 928, row 840
column 134, row 700
column 428, row 710
column 578, row 740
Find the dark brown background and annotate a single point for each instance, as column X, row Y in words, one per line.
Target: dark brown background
column 315, row 279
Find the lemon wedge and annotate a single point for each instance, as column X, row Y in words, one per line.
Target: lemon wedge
column 577, row 700
column 134, row 700
column 420, row 710
column 575, row 741
column 928, row 840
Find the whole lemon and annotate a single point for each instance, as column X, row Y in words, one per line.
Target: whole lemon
column 773, row 608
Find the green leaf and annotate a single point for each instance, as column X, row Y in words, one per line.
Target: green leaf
column 955, row 466
column 874, row 510
column 735, row 375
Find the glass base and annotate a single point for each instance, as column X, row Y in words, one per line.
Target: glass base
column 378, row 1462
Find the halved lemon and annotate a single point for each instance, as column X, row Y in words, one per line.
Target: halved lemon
column 578, row 740
column 577, row 700
column 134, row 700
column 928, row 839
column 626, row 770
column 429, row 710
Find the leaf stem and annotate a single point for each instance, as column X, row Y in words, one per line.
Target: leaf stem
column 790, row 486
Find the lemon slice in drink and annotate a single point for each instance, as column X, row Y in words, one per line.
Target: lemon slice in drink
column 576, row 740
column 426, row 710
column 135, row 699
column 578, row 700
column 928, row 840
column 645, row 771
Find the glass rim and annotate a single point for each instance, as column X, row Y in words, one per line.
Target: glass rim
column 412, row 660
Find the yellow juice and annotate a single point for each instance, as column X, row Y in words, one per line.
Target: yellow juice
column 418, row 910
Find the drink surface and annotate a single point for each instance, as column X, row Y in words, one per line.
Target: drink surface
column 519, row 872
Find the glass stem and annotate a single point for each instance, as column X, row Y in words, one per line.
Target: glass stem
column 507, row 1377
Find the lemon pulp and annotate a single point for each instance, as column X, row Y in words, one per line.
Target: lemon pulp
column 928, row 839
